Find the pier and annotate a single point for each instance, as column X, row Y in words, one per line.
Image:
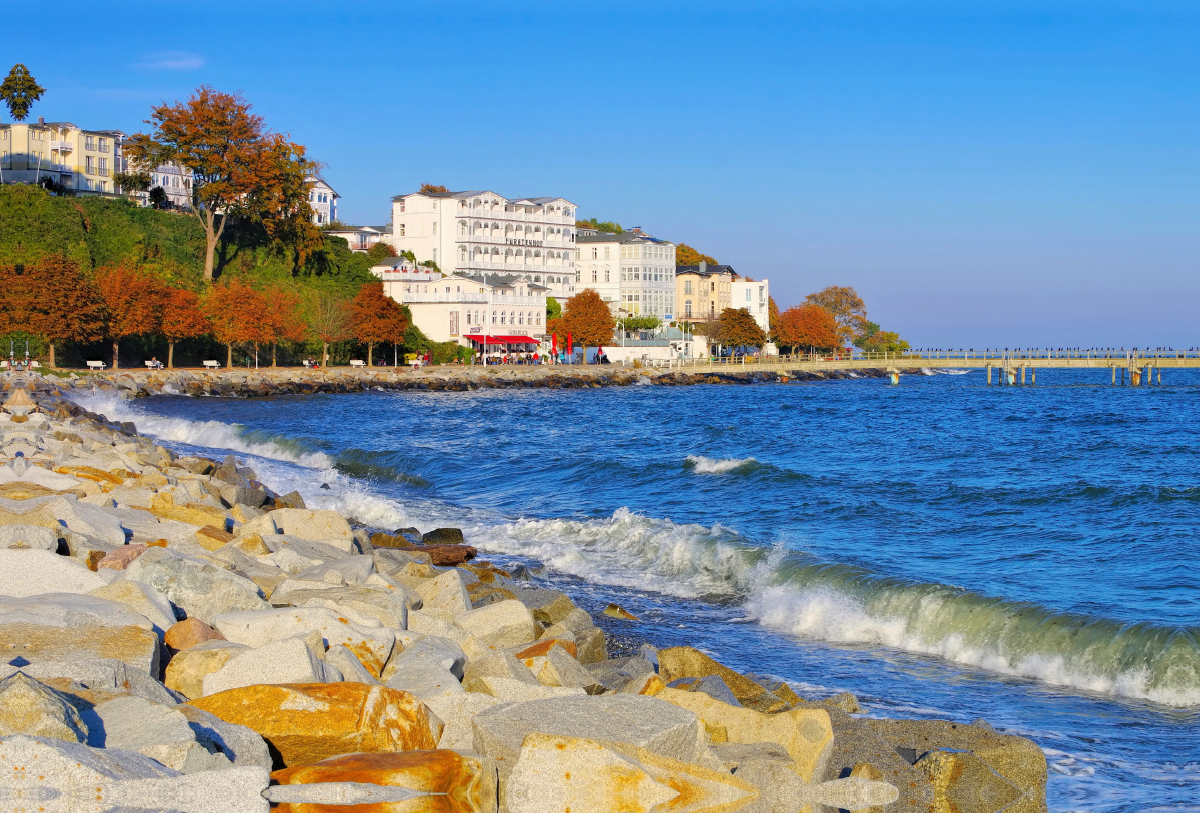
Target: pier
column 1011, row 367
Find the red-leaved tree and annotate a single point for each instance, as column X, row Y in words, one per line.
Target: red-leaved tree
column 236, row 314
column 807, row 326
column 132, row 303
column 285, row 318
column 181, row 319
column 376, row 318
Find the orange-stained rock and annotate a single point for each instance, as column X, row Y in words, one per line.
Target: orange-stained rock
column 307, row 722
column 93, row 474
column 189, row 632
column 467, row 781
column 543, row 646
column 120, row 558
column 213, row 538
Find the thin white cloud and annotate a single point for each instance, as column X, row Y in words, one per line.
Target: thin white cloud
column 172, row 61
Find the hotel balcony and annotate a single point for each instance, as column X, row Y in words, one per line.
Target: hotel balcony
column 62, row 146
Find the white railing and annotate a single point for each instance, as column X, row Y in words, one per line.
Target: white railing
column 463, row 297
column 62, row 146
column 526, row 301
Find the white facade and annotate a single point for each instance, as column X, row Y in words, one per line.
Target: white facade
column 633, row 272
column 360, row 238
column 481, row 233
column 400, row 276
column 322, row 200
column 753, row 296
column 175, row 180
column 465, row 309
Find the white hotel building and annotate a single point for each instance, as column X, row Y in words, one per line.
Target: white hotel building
column 633, row 272
column 481, row 233
column 753, row 296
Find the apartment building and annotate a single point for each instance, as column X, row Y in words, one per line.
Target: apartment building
column 401, row 277
column 753, row 296
column 703, row 290
column 480, row 233
column 80, row 160
column 478, row 311
column 361, row 238
column 632, row 271
column 322, row 199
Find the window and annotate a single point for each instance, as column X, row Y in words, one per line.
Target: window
column 402, row 204
column 687, row 308
column 687, row 286
column 606, row 252
column 595, row 273
column 435, row 227
column 712, row 286
column 89, row 142
column 104, row 171
column 435, row 255
column 453, row 322
column 89, row 164
column 435, row 204
column 4, row 157
column 102, row 145
column 401, row 229
column 493, row 317
column 606, row 275
column 747, row 294
column 595, row 252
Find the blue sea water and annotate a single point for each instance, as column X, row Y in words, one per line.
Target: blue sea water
column 942, row 549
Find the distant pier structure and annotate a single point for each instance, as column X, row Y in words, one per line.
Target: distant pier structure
column 1012, row 367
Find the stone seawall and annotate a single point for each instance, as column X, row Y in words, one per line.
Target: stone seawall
column 447, row 378
column 174, row 635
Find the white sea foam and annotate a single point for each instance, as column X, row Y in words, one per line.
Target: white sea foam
column 707, row 465
column 212, row 434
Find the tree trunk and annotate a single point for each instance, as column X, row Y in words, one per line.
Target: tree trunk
column 115, row 354
column 170, row 355
column 325, row 356
column 228, row 356
column 584, row 354
column 51, row 355
column 212, row 237
column 370, row 347
column 274, row 347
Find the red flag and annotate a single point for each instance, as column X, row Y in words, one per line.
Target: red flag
column 570, row 348
column 554, row 343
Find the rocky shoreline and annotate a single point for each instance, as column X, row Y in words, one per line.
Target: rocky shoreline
column 444, row 378
column 179, row 637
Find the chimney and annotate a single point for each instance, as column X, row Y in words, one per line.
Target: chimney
column 703, row 266
column 41, row 119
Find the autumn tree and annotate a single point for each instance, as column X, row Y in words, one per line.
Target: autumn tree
column 809, row 326
column 236, row 314
column 133, row 303
column 240, row 169
column 327, row 314
column 58, row 300
column 19, row 91
column 610, row 226
column 181, row 319
column 772, row 317
column 285, row 319
column 737, row 328
column 686, row 255
column 847, row 308
column 588, row 320
column 376, row 318
column 434, row 188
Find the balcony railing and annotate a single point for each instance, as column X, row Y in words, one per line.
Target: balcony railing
column 62, row 146
column 458, row 297
column 528, row 301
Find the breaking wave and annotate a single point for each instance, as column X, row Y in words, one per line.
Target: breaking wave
column 707, row 465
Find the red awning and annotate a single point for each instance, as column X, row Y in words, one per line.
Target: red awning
column 501, row 340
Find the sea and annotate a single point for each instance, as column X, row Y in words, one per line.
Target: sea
column 941, row 548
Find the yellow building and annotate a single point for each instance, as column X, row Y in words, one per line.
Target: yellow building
column 82, row 161
column 703, row 291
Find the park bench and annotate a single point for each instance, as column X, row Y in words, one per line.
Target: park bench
column 357, row 363
column 96, row 365
column 153, row 365
column 211, row 364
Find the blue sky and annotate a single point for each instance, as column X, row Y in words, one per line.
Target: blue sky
column 985, row 174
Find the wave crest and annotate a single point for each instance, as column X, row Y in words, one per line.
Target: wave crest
column 707, row 465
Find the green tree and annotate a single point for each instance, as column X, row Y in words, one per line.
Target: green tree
column 329, row 319
column 875, row 340
column 131, row 182
column 380, row 252
column 553, row 309
column 606, row 225
column 159, row 199
column 19, row 91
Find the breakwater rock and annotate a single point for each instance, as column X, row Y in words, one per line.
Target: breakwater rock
column 445, row 378
column 174, row 635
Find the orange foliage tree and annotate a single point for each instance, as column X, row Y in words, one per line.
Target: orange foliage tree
column 236, row 314
column 737, row 328
column 847, row 308
column 181, row 319
column 376, row 318
column 588, row 320
column 239, row 168
column 132, row 302
column 686, row 255
column 58, row 300
column 807, row 326
column 285, row 319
